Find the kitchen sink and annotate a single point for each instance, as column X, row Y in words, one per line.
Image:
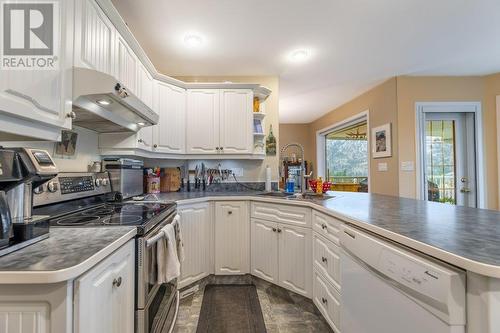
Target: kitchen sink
column 276, row 194
column 311, row 197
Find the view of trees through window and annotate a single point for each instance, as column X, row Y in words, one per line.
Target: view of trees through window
column 347, row 158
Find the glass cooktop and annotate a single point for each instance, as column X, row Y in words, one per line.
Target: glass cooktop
column 134, row 214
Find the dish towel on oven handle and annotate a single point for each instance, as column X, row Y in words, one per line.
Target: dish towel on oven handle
column 169, row 266
column 180, row 241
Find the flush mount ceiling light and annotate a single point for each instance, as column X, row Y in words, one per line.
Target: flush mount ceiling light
column 104, row 102
column 193, row 40
column 300, row 55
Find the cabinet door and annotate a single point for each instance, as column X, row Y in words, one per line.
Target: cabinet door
column 295, row 259
column 94, row 36
column 264, row 257
column 202, row 121
column 170, row 133
column 126, row 64
column 197, row 234
column 232, row 238
column 236, row 121
column 144, row 85
column 40, row 98
column 108, row 287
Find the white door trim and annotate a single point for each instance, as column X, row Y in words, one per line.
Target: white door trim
column 466, row 107
column 321, row 141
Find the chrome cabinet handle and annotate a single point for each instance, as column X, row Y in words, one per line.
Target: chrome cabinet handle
column 117, row 282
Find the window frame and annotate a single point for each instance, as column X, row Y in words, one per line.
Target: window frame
column 321, row 142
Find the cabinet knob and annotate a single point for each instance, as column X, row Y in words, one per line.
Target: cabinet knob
column 279, row 230
column 323, row 226
column 155, row 145
column 229, row 213
column 221, row 148
column 217, row 148
column 323, row 259
column 117, row 282
column 71, row 115
column 274, row 229
column 324, row 300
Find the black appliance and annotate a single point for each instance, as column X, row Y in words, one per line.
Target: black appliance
column 21, row 170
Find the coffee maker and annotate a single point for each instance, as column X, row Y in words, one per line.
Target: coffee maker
column 21, row 171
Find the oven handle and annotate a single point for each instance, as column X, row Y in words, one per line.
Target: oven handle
column 153, row 240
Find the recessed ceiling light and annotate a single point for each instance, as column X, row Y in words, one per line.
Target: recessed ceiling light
column 300, row 55
column 193, row 40
column 104, row 102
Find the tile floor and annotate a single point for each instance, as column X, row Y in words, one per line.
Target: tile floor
column 284, row 311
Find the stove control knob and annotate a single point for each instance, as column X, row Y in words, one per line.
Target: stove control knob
column 52, row 187
column 98, row 182
column 38, row 190
column 105, row 182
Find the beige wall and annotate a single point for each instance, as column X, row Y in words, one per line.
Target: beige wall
column 298, row 133
column 253, row 170
column 381, row 102
column 394, row 101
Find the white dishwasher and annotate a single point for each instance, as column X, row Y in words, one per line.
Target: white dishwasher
column 387, row 289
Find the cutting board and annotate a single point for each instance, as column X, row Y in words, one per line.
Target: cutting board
column 170, row 180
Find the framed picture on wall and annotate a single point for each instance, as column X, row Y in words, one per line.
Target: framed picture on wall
column 382, row 141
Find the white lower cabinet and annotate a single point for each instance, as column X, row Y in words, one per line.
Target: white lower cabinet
column 326, row 259
column 197, row 231
column 264, row 261
column 232, row 238
column 282, row 254
column 327, row 299
column 104, row 296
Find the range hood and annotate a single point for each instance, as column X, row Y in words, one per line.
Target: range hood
column 104, row 105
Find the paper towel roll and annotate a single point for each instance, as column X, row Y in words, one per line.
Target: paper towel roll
column 268, row 179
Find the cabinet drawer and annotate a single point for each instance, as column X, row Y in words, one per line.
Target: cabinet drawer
column 327, row 259
column 327, row 299
column 326, row 226
column 300, row 216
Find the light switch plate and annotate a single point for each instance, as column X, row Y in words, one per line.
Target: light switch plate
column 383, row 167
column 407, row 166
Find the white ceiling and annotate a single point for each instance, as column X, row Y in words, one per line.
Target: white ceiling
column 354, row 44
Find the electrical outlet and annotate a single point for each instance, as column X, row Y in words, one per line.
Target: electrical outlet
column 238, row 172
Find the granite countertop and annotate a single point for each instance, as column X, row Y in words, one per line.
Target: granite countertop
column 465, row 237
column 66, row 254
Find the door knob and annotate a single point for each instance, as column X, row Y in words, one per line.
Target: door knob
column 117, row 282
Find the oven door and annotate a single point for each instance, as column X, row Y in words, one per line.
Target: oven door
column 154, row 301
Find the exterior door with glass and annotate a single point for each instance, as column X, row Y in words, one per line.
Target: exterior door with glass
column 450, row 158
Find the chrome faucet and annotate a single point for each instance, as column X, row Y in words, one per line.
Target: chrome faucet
column 303, row 175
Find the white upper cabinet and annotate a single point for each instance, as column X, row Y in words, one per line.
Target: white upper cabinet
column 94, row 38
column 169, row 136
column 236, row 121
column 144, row 85
column 126, row 64
column 203, row 121
column 219, row 121
column 36, row 102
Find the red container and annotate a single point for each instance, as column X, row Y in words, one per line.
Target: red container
column 313, row 183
